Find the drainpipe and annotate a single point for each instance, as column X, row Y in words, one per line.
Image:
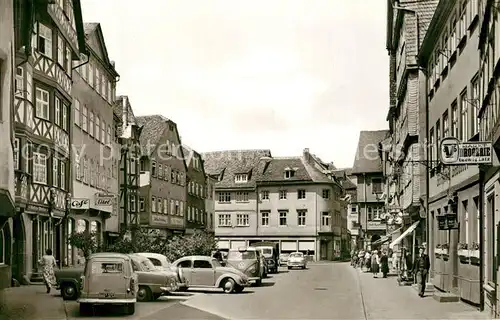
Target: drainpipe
column 481, row 237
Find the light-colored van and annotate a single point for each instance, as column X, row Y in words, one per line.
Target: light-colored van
column 108, row 278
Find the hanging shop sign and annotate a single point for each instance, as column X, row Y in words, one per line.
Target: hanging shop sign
column 456, row 152
column 104, row 202
column 79, row 204
column 447, row 222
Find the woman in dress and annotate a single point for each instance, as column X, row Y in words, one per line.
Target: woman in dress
column 48, row 263
column 375, row 264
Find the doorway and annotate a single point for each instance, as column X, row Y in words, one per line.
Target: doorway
column 18, row 246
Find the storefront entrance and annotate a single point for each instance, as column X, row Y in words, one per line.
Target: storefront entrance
column 18, row 248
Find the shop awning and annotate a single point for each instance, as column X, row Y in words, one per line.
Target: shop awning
column 385, row 238
column 404, row 234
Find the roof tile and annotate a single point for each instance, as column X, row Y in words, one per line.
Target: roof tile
column 367, row 156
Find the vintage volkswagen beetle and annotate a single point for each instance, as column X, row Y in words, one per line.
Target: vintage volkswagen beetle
column 108, row 278
column 207, row 272
column 152, row 283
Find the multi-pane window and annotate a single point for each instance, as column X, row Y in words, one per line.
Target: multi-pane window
column 376, row 185
column 241, row 178
column 264, row 195
column 159, row 203
column 242, row 219
column 438, row 132
column 42, row 103
column 91, row 123
column 454, row 120
column 97, row 128
column 264, row 216
column 453, row 37
column 325, row 218
column 241, row 196
column 301, row 194
column 76, row 103
column 446, row 124
column 84, row 118
column 44, row 40
column 103, row 132
column 224, row 197
column 91, row 74
column 109, row 134
column 283, row 194
column 464, row 124
column 224, row 220
column 61, row 54
column 68, row 61
column 301, row 217
column 282, row 216
column 55, row 172
column 39, row 168
column 475, row 105
column 57, row 111
column 62, row 168
column 19, row 81
column 97, row 80
column 16, row 154
column 64, row 121
column 326, row 194
column 142, row 204
column 165, row 206
column 431, row 147
column 153, row 204
column 78, row 167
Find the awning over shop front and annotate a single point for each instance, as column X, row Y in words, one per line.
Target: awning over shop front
column 386, row 238
column 404, row 234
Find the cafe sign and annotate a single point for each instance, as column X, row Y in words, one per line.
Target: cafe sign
column 456, row 152
column 79, row 204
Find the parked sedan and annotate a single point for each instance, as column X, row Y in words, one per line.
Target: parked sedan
column 207, row 272
column 152, row 283
column 161, row 263
column 283, row 259
column 297, row 260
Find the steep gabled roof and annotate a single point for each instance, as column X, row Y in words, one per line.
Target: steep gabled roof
column 189, row 153
column 153, row 128
column 225, row 164
column 367, row 155
column 275, row 169
column 124, row 112
column 100, row 51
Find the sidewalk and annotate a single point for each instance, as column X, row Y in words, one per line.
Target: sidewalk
column 31, row 302
column 385, row 299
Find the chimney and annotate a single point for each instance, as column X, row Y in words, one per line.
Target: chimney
column 112, row 63
column 124, row 109
column 306, row 154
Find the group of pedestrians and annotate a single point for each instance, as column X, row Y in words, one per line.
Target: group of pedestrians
column 373, row 261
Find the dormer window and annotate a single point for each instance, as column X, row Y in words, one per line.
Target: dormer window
column 289, row 173
column 241, row 178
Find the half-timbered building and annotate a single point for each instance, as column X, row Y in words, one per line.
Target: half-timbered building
column 95, row 152
column 42, row 107
column 127, row 134
column 196, row 188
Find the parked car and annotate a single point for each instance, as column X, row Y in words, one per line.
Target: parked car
column 284, row 259
column 297, row 260
column 108, row 278
column 248, row 261
column 270, row 251
column 207, row 272
column 161, row 263
column 68, row 281
column 152, row 283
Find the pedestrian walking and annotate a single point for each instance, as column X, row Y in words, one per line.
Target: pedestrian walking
column 367, row 261
column 217, row 255
column 48, row 263
column 375, row 264
column 394, row 260
column 421, row 268
column 384, row 264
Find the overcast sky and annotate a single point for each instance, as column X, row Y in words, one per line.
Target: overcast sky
column 243, row 74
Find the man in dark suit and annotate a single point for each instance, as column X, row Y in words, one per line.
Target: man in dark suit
column 421, row 268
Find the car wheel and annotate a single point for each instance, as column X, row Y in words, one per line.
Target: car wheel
column 228, row 285
column 69, row 292
column 130, row 308
column 238, row 289
column 143, row 294
column 85, row 309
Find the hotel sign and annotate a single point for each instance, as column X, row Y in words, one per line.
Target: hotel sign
column 159, row 219
column 455, row 152
column 104, row 202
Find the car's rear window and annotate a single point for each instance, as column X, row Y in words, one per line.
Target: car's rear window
column 99, row 267
column 296, row 255
column 245, row 255
column 267, row 251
